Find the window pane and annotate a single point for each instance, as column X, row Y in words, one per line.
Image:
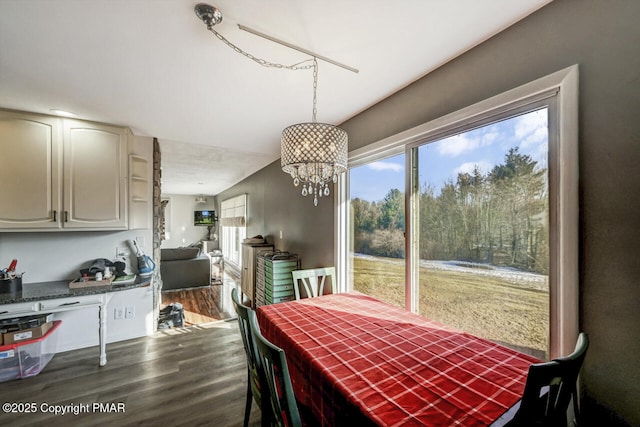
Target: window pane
column 484, row 232
column 231, row 243
column 377, row 251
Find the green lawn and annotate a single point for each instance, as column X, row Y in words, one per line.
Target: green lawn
column 493, row 307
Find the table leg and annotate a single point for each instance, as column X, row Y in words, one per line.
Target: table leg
column 103, row 333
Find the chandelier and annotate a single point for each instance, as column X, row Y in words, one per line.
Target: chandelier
column 313, row 153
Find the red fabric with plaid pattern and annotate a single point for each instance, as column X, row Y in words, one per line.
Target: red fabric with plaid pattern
column 355, row 359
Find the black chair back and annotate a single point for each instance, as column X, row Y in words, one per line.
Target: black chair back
column 257, row 386
column 274, row 365
column 550, row 388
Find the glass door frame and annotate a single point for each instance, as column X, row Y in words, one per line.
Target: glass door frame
column 560, row 91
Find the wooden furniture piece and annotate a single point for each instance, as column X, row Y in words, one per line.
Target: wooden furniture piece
column 273, row 364
column 355, row 360
column 313, row 282
column 250, row 252
column 274, row 282
column 256, row 387
column 550, row 388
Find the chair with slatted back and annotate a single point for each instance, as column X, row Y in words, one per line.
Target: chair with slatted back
column 276, row 373
column 313, row 281
column 550, row 388
column 255, row 381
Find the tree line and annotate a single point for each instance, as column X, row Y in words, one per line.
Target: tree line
column 500, row 217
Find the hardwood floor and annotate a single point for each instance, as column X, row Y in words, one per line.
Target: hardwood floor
column 201, row 305
column 204, row 304
column 192, row 376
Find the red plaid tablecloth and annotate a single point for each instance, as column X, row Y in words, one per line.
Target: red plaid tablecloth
column 355, row 359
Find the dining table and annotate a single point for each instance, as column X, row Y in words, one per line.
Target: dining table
column 356, row 361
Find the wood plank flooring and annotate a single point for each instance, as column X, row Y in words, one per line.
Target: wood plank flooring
column 204, row 304
column 192, row 376
column 201, row 305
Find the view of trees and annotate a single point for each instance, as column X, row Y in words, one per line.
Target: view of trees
column 499, row 217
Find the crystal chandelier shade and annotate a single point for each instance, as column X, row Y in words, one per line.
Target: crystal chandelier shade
column 314, row 154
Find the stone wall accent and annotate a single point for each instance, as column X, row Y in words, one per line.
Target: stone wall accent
column 158, row 214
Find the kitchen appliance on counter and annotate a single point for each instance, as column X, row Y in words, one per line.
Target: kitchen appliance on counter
column 145, row 263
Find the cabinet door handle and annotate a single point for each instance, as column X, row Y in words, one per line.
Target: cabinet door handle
column 66, row 216
column 55, row 215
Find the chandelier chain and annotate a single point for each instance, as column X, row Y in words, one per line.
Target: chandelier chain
column 261, row 61
column 315, row 88
column 314, row 154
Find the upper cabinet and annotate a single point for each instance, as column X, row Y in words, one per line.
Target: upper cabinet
column 61, row 174
column 30, row 147
column 95, row 177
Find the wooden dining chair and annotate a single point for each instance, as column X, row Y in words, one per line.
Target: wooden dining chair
column 273, row 362
column 256, row 386
column 550, row 388
column 312, row 281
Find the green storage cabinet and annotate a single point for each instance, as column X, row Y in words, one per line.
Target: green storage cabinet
column 274, row 282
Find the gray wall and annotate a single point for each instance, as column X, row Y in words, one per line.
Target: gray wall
column 603, row 37
column 274, row 205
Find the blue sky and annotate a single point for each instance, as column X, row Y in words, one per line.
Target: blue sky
column 444, row 159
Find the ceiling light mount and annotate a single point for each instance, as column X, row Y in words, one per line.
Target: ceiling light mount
column 313, row 153
column 208, row 14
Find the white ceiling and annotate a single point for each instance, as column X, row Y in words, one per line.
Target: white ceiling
column 153, row 66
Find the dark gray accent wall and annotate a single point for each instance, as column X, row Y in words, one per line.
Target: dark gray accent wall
column 603, row 37
column 274, row 205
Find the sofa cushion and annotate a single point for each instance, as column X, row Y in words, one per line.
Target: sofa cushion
column 174, row 254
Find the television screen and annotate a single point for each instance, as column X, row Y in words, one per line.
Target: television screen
column 204, row 218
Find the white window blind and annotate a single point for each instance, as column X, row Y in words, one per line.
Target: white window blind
column 233, row 211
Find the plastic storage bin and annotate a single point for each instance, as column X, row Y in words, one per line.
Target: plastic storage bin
column 27, row 359
column 274, row 282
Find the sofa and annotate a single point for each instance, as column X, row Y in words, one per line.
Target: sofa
column 185, row 267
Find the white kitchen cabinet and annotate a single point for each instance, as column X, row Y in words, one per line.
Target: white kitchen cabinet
column 30, row 175
column 61, row 174
column 95, row 176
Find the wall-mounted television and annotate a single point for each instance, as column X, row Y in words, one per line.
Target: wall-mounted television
column 207, row 218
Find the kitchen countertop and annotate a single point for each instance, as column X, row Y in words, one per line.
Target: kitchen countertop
column 60, row 289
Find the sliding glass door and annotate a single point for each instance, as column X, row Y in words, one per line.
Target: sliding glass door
column 490, row 222
column 483, row 231
column 377, row 251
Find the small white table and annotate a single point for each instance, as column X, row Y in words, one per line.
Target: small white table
column 58, row 305
column 217, row 267
column 56, row 297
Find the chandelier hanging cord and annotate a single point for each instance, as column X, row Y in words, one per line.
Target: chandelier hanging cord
column 315, row 89
column 260, row 61
column 314, row 154
column 212, row 16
